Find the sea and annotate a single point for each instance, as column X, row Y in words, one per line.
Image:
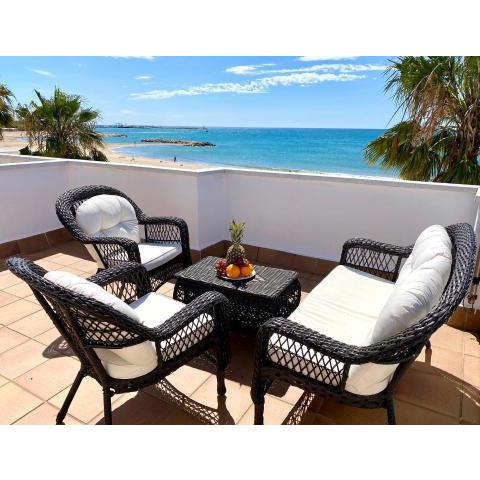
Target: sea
column 326, row 150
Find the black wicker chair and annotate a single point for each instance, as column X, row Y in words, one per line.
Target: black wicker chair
column 383, row 261
column 87, row 324
column 112, row 251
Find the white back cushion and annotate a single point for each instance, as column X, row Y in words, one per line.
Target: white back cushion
column 108, row 216
column 92, row 290
column 419, row 286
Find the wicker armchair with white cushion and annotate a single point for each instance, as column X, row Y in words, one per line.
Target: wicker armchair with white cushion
column 125, row 336
column 114, row 230
column 359, row 330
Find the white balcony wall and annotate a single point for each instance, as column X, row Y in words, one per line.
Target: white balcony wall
column 27, row 197
column 306, row 214
column 314, row 214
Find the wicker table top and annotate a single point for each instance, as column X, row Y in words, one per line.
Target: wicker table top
column 268, row 282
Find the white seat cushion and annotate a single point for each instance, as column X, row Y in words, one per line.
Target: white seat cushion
column 154, row 255
column 107, row 216
column 151, row 310
column 419, row 286
column 344, row 306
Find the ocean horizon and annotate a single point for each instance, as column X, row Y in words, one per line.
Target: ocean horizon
column 323, row 150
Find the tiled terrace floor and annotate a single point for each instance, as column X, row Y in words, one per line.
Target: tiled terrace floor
column 36, row 370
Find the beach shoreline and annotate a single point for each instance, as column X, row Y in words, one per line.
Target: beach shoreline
column 13, row 141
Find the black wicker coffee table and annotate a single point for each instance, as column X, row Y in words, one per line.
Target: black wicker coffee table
column 272, row 293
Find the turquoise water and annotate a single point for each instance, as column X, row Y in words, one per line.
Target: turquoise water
column 314, row 149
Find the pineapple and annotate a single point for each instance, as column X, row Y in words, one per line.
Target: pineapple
column 236, row 253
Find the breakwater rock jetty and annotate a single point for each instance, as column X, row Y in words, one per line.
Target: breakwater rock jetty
column 184, row 143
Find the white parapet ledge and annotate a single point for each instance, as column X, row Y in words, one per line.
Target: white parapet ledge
column 325, row 177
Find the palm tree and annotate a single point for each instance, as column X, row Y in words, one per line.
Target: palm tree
column 6, row 108
column 439, row 136
column 61, row 126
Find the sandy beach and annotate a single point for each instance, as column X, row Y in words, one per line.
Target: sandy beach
column 15, row 140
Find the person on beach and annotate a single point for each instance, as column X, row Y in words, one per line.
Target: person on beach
column 174, row 159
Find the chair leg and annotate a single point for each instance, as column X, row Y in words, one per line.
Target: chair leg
column 66, row 404
column 259, row 407
column 221, row 389
column 428, row 345
column 107, row 406
column 391, row 412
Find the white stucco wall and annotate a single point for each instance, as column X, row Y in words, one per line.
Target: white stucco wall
column 306, row 214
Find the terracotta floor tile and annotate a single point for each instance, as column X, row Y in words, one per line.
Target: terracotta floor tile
column 471, row 344
column 64, row 259
column 471, row 370
column 20, row 290
column 182, row 417
column 7, row 279
column 340, row 414
column 48, row 265
column 165, row 288
column 187, row 379
column 188, row 411
column 434, row 392
column 85, row 266
column 15, row 311
column 10, row 338
column 6, row 298
column 45, row 414
column 50, row 377
column 74, row 271
column 88, row 402
column 48, row 337
column 18, row 360
column 237, row 399
column 33, row 325
column 3, row 381
column 277, row 412
column 32, row 299
column 440, row 361
column 471, row 405
column 138, row 408
column 408, row 414
column 449, row 338
column 15, row 403
column 285, row 392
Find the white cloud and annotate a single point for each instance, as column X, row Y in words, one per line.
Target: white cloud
column 141, row 57
column 261, row 85
column 323, row 67
column 144, row 77
column 323, row 59
column 45, row 73
column 247, row 69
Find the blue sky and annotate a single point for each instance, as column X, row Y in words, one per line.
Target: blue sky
column 337, row 92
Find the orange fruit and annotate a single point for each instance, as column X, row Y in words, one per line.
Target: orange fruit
column 246, row 270
column 233, row 271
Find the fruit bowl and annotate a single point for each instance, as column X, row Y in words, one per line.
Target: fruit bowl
column 238, row 279
column 225, row 271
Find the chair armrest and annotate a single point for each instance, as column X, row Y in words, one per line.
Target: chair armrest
column 376, row 258
column 114, row 250
column 348, row 354
column 298, row 348
column 128, row 281
column 168, row 229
